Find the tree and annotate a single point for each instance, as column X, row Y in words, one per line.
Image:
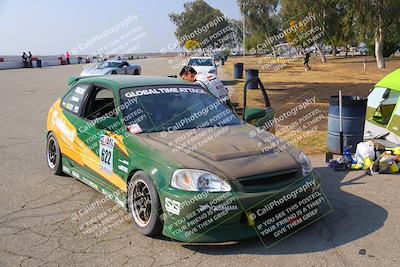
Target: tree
column 298, row 9
column 237, row 30
column 375, row 18
column 203, row 23
column 261, row 20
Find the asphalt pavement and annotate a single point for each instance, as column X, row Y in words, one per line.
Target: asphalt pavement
column 42, row 216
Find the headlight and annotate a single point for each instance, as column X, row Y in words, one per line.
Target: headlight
column 198, row 180
column 306, row 166
column 213, row 71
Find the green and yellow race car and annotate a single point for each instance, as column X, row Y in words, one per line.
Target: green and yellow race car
column 178, row 159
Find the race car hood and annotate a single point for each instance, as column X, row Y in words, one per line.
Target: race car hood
column 96, row 71
column 228, row 150
column 202, row 69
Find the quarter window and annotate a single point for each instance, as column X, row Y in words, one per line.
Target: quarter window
column 72, row 101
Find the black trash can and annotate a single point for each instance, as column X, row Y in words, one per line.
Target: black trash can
column 251, row 74
column 353, row 116
column 238, row 71
column 39, row 63
column 222, row 61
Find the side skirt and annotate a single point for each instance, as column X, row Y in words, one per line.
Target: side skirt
column 86, row 176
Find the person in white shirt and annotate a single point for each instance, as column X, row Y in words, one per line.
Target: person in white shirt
column 208, row 81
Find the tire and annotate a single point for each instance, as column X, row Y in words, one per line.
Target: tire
column 144, row 204
column 136, row 72
column 53, row 154
column 113, row 72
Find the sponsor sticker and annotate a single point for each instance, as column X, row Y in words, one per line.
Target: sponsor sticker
column 156, row 91
column 62, row 126
column 123, row 161
column 106, row 152
column 134, row 128
column 172, row 206
column 123, row 168
column 66, row 170
column 80, row 90
column 75, row 99
column 69, row 106
column 75, row 174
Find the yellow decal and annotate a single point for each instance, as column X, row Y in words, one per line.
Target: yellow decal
column 75, row 149
column 118, row 142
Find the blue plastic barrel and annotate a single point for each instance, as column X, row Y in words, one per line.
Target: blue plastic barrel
column 238, row 71
column 353, row 116
column 250, row 75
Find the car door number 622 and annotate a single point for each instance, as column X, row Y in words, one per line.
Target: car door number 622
column 106, row 151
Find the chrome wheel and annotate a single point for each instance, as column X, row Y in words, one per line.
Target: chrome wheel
column 51, row 153
column 141, row 203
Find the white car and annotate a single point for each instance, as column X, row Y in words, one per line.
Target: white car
column 113, row 67
column 363, row 50
column 203, row 65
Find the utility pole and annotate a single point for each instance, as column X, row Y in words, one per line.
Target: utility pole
column 244, row 32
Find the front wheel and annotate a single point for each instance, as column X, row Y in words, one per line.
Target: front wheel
column 53, row 154
column 144, row 204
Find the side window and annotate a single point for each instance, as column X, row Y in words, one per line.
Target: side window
column 397, row 111
column 100, row 103
column 376, row 97
column 385, row 108
column 72, row 101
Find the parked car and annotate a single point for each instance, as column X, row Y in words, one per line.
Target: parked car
column 130, row 139
column 203, row 64
column 113, row 67
column 363, row 50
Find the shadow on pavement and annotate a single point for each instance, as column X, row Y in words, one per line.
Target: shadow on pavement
column 231, row 82
column 352, row 218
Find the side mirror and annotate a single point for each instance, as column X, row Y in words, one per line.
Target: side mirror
column 109, row 123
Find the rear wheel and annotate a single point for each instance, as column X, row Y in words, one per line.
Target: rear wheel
column 144, row 204
column 136, row 72
column 53, row 154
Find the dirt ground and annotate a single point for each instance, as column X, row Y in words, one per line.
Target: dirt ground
column 289, row 85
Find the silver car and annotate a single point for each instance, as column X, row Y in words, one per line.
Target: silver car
column 113, row 67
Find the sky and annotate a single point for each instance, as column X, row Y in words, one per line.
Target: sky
column 52, row 27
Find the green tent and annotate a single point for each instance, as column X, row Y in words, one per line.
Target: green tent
column 383, row 111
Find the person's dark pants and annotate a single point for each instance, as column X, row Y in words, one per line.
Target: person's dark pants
column 68, row 61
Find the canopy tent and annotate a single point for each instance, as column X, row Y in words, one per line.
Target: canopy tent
column 383, row 111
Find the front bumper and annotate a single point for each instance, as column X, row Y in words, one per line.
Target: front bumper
column 219, row 217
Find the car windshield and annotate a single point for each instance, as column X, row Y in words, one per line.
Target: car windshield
column 200, row 62
column 110, row 64
column 173, row 108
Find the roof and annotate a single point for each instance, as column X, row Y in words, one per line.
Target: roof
column 391, row 81
column 124, row 81
column 201, row 57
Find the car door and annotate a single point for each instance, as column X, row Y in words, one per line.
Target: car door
column 122, row 69
column 260, row 117
column 100, row 130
